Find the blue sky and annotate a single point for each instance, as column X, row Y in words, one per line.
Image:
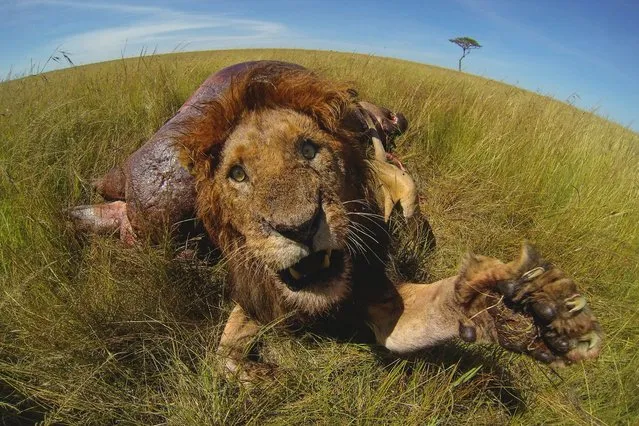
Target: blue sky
column 583, row 51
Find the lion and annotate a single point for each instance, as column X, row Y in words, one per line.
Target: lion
column 293, row 190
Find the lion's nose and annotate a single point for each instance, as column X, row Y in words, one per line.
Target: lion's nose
column 302, row 233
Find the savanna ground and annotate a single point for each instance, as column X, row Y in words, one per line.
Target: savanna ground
column 92, row 332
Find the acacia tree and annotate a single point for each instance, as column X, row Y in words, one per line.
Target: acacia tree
column 467, row 44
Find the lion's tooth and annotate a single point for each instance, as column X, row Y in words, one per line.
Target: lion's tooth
column 296, row 275
column 327, row 260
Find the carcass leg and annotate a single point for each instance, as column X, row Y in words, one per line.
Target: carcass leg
column 105, row 218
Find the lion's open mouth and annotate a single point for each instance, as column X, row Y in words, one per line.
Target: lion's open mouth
column 314, row 269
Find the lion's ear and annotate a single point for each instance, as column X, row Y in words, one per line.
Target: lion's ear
column 354, row 122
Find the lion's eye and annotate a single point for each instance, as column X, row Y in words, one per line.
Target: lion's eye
column 308, row 149
column 237, row 173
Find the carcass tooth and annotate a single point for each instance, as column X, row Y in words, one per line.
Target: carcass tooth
column 296, row 275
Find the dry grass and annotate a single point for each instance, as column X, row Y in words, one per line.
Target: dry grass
column 91, row 332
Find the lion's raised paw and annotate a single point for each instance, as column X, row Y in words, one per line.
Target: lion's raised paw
column 535, row 308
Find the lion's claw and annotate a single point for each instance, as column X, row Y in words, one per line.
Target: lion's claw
column 532, row 274
column 576, row 303
column 592, row 338
column 578, row 347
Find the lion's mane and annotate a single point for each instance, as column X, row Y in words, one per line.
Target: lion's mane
column 332, row 106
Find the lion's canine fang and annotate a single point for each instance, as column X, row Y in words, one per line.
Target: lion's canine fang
column 296, row 275
column 327, row 259
column 318, row 268
column 326, row 263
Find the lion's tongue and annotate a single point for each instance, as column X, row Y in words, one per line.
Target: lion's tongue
column 310, row 264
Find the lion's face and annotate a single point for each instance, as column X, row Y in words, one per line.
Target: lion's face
column 284, row 193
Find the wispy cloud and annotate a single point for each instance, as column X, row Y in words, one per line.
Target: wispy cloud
column 157, row 28
column 113, row 7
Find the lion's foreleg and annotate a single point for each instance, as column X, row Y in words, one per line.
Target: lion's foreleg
column 238, row 339
column 527, row 306
column 420, row 316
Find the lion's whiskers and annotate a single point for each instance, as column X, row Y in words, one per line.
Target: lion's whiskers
column 360, row 242
column 369, row 216
column 357, row 243
column 358, row 233
column 360, row 201
column 364, row 230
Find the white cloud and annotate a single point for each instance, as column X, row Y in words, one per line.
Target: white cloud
column 113, row 7
column 160, row 29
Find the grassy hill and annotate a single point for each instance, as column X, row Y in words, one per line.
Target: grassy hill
column 92, row 332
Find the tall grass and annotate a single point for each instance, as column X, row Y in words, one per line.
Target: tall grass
column 93, row 333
